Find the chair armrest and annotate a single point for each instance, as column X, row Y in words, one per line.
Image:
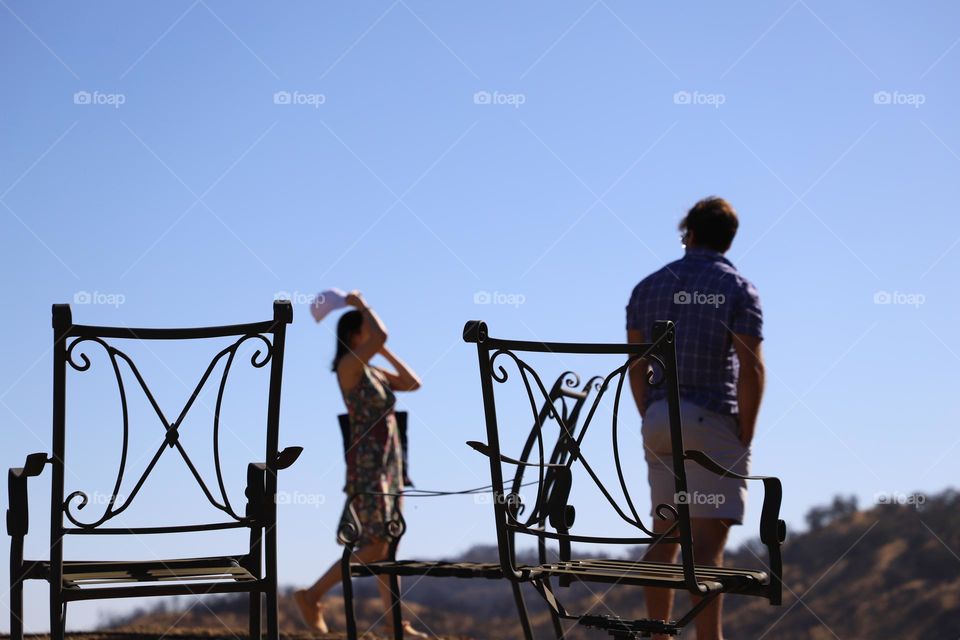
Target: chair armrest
column 18, row 512
column 485, row 450
column 256, row 492
column 257, row 477
column 773, row 530
column 287, row 457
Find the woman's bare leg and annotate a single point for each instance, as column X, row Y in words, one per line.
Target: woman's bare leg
column 369, row 553
column 383, row 584
column 314, row 595
column 326, row 582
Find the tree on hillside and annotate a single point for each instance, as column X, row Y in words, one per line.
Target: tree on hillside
column 841, row 507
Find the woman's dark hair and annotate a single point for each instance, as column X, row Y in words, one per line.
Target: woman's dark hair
column 348, row 326
column 713, row 223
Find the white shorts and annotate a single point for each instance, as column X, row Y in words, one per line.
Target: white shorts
column 717, row 435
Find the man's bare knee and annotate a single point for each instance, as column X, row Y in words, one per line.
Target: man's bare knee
column 709, row 539
column 708, row 556
column 662, row 553
column 708, row 551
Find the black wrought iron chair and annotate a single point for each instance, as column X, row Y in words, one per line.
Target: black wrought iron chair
column 555, row 480
column 253, row 572
column 565, row 398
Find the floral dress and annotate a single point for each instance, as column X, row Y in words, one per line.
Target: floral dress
column 374, row 457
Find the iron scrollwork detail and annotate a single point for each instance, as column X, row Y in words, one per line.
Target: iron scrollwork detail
column 547, row 483
column 260, row 358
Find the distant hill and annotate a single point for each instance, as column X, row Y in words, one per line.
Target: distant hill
column 889, row 571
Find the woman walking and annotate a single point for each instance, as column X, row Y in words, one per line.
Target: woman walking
column 374, row 455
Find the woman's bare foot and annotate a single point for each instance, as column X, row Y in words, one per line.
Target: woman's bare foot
column 310, row 610
column 408, row 631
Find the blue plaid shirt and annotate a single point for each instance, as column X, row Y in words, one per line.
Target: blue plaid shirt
column 708, row 300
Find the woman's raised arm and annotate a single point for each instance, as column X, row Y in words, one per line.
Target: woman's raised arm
column 404, row 379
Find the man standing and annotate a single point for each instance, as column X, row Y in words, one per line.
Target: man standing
column 721, row 373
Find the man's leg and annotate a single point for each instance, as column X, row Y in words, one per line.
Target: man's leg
column 660, row 601
column 709, row 539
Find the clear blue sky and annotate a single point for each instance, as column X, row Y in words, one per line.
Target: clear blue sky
column 179, row 185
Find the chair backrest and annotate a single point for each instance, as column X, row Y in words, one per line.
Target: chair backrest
column 555, row 473
column 566, row 398
column 73, row 347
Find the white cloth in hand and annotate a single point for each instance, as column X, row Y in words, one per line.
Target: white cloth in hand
column 327, row 301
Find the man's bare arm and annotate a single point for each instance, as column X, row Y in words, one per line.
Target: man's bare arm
column 638, row 374
column 750, row 384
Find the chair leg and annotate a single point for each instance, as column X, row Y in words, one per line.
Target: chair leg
column 269, row 581
column 557, row 627
column 273, row 624
column 256, row 601
column 347, row 581
column 395, row 610
column 58, row 620
column 522, row 610
column 16, row 589
column 254, row 565
column 555, row 618
column 16, row 609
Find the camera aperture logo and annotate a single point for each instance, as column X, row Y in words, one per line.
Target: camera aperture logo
column 696, row 297
column 99, row 98
column 499, row 297
column 499, row 98
column 298, row 98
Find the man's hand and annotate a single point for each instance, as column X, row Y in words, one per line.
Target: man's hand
column 750, row 384
column 638, row 375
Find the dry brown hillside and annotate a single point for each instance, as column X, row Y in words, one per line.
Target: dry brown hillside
column 886, row 572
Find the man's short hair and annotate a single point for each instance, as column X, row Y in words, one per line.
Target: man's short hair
column 713, row 222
